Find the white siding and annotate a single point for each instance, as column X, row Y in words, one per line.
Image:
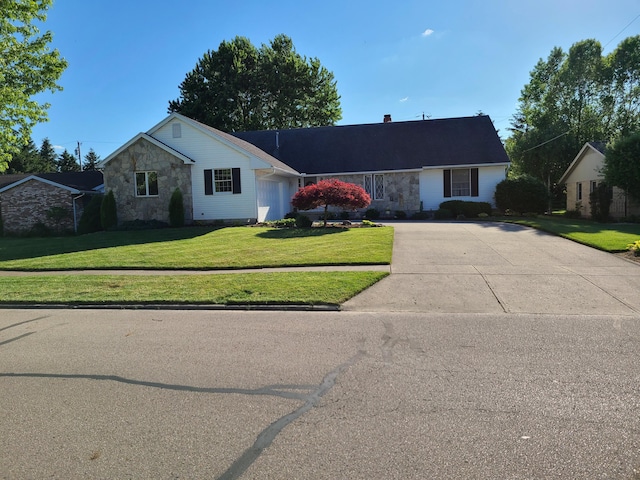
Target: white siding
column 432, row 186
column 210, row 153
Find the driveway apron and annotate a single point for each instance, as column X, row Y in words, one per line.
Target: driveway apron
column 487, row 267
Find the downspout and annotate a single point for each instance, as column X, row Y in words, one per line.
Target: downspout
column 75, row 217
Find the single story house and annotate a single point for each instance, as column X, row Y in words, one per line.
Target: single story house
column 251, row 176
column 53, row 200
column 582, row 177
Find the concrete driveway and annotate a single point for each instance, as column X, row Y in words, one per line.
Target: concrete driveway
column 464, row 267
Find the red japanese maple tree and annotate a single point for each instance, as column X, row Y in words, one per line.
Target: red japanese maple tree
column 331, row 192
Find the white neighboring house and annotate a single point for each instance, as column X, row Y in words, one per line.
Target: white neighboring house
column 251, row 176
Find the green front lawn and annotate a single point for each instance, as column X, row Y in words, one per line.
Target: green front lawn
column 610, row 237
column 200, row 248
column 195, row 248
column 305, row 288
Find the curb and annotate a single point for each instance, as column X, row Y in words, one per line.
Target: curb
column 162, row 306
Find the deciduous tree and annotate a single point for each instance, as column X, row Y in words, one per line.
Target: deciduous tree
column 331, row 192
column 27, row 67
column 573, row 98
column 622, row 164
column 240, row 87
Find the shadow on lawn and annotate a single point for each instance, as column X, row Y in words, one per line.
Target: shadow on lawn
column 285, row 233
column 17, row 248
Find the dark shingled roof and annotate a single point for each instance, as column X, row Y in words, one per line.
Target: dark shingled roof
column 383, row 146
column 83, row 181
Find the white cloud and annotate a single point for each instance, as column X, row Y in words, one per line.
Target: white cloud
column 427, row 32
column 58, row 147
column 402, row 100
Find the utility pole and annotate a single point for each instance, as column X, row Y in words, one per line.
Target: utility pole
column 79, row 156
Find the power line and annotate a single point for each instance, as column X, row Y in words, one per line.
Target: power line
column 617, row 34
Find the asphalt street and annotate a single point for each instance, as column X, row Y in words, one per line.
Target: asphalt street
column 418, row 377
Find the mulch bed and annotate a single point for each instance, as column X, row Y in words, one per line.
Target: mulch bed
column 629, row 256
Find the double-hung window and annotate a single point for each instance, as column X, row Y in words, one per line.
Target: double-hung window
column 222, row 180
column 374, row 186
column 146, row 184
column 461, row 182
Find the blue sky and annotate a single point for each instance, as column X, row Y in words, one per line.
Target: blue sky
column 406, row 58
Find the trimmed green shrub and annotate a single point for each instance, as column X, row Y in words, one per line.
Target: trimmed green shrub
column 443, row 214
column 522, row 194
column 400, row 214
column 344, row 215
column 467, row 208
column 176, row 209
column 422, row 215
column 302, row 221
column 600, row 202
column 372, row 214
column 282, row 223
column 108, row 213
column 90, row 219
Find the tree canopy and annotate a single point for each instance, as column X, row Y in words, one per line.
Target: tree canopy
column 31, row 160
column 90, row 161
column 27, row 67
column 240, row 87
column 622, row 164
column 331, row 192
column 574, row 97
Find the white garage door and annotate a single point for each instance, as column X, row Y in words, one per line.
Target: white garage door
column 270, row 201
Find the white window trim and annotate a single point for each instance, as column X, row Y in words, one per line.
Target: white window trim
column 146, row 183
column 454, row 192
column 374, row 180
column 220, row 182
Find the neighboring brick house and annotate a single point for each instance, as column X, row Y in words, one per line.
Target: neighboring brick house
column 582, row 177
column 54, row 201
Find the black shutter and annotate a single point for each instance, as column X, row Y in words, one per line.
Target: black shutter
column 474, row 182
column 235, row 176
column 208, row 182
column 447, row 183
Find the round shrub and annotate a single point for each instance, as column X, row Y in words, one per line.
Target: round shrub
column 302, row 221
column 372, row 214
column 522, row 194
column 442, row 214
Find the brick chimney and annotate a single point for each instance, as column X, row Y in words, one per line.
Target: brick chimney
column 387, row 118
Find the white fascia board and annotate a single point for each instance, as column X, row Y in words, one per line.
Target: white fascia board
column 576, row 161
column 39, row 179
column 364, row 172
column 467, row 165
column 150, row 139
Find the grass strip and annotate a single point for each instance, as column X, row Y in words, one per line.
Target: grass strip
column 307, row 288
column 610, row 237
column 200, row 248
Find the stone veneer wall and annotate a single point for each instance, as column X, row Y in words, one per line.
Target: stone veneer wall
column 145, row 156
column 28, row 204
column 401, row 191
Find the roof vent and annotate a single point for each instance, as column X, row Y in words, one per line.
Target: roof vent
column 387, row 118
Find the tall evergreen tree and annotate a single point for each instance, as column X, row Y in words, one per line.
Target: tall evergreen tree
column 240, row 87
column 27, row 160
column 90, row 160
column 67, row 163
column 48, row 157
